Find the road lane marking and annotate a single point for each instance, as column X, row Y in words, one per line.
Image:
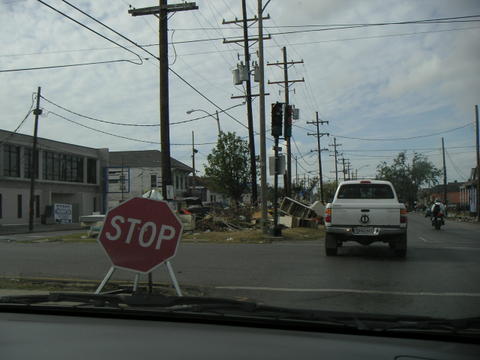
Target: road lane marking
column 350, row 291
column 423, row 239
column 446, row 247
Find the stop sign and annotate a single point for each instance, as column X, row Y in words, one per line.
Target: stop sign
column 140, row 234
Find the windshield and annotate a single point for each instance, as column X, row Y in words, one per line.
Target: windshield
column 181, row 151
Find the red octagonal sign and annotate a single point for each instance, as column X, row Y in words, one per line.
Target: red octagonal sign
column 140, row 234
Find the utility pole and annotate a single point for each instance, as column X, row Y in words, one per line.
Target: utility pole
column 335, row 153
column 248, row 87
column 349, row 175
column 343, row 168
column 318, row 134
column 296, row 169
column 34, row 163
column 263, row 145
column 161, row 12
column 287, row 114
column 478, row 161
column 194, row 151
column 444, row 174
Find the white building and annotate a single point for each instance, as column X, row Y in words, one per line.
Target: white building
column 133, row 173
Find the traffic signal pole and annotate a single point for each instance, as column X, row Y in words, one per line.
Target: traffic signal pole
column 287, row 115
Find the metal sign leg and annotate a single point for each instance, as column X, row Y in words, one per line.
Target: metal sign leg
column 173, row 278
column 105, row 280
column 135, row 283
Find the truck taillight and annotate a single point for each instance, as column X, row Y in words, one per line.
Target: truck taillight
column 328, row 215
column 403, row 216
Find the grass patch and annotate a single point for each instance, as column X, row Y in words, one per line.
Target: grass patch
column 254, row 236
column 76, row 237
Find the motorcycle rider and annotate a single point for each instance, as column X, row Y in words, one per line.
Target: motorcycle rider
column 437, row 209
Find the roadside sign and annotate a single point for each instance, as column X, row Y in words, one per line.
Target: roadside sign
column 62, row 213
column 140, row 234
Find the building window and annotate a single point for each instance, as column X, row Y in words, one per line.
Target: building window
column 37, row 206
column 62, row 167
column 11, row 160
column 19, row 206
column 177, row 181
column 153, row 181
column 91, row 171
column 94, row 204
column 28, row 163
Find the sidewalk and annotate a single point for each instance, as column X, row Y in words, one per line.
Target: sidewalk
column 38, row 228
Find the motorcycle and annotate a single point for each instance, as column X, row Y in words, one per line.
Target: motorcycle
column 437, row 221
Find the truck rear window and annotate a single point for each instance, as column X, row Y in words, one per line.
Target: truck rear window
column 365, row 191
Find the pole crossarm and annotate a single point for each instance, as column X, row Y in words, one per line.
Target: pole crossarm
column 153, row 10
column 278, row 63
column 246, row 96
column 238, row 41
column 237, row 20
column 283, row 82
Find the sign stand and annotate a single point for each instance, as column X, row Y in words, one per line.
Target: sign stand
column 171, row 273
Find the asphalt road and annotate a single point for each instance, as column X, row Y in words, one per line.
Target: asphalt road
column 440, row 276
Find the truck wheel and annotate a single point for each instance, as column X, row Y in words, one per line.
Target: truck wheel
column 330, row 245
column 400, row 247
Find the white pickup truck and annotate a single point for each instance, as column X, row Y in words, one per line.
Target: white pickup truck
column 366, row 211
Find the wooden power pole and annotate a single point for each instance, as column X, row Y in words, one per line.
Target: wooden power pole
column 34, row 163
column 444, row 174
column 318, row 134
column 161, row 12
column 248, row 89
column 477, row 130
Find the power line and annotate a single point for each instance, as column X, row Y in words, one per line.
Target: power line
column 444, row 20
column 393, row 139
column 137, row 45
column 90, row 29
column 20, row 124
column 459, row 173
column 68, row 65
column 405, row 138
column 95, row 119
column 407, row 149
column 120, row 136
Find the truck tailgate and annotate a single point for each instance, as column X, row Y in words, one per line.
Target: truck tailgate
column 366, row 214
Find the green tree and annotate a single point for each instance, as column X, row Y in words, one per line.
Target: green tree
column 228, row 166
column 407, row 178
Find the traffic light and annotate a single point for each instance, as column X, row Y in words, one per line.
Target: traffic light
column 277, row 119
column 288, row 121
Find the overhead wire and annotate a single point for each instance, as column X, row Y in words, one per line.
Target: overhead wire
column 457, row 170
column 20, row 124
column 121, row 136
column 90, row 29
column 68, row 65
column 139, row 46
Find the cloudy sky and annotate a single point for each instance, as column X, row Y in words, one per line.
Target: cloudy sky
column 380, row 83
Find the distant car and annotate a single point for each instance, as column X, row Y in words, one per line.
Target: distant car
column 366, row 211
column 428, row 212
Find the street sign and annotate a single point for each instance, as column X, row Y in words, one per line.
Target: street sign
column 280, row 165
column 140, row 234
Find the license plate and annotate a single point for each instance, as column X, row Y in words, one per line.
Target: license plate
column 363, row 231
